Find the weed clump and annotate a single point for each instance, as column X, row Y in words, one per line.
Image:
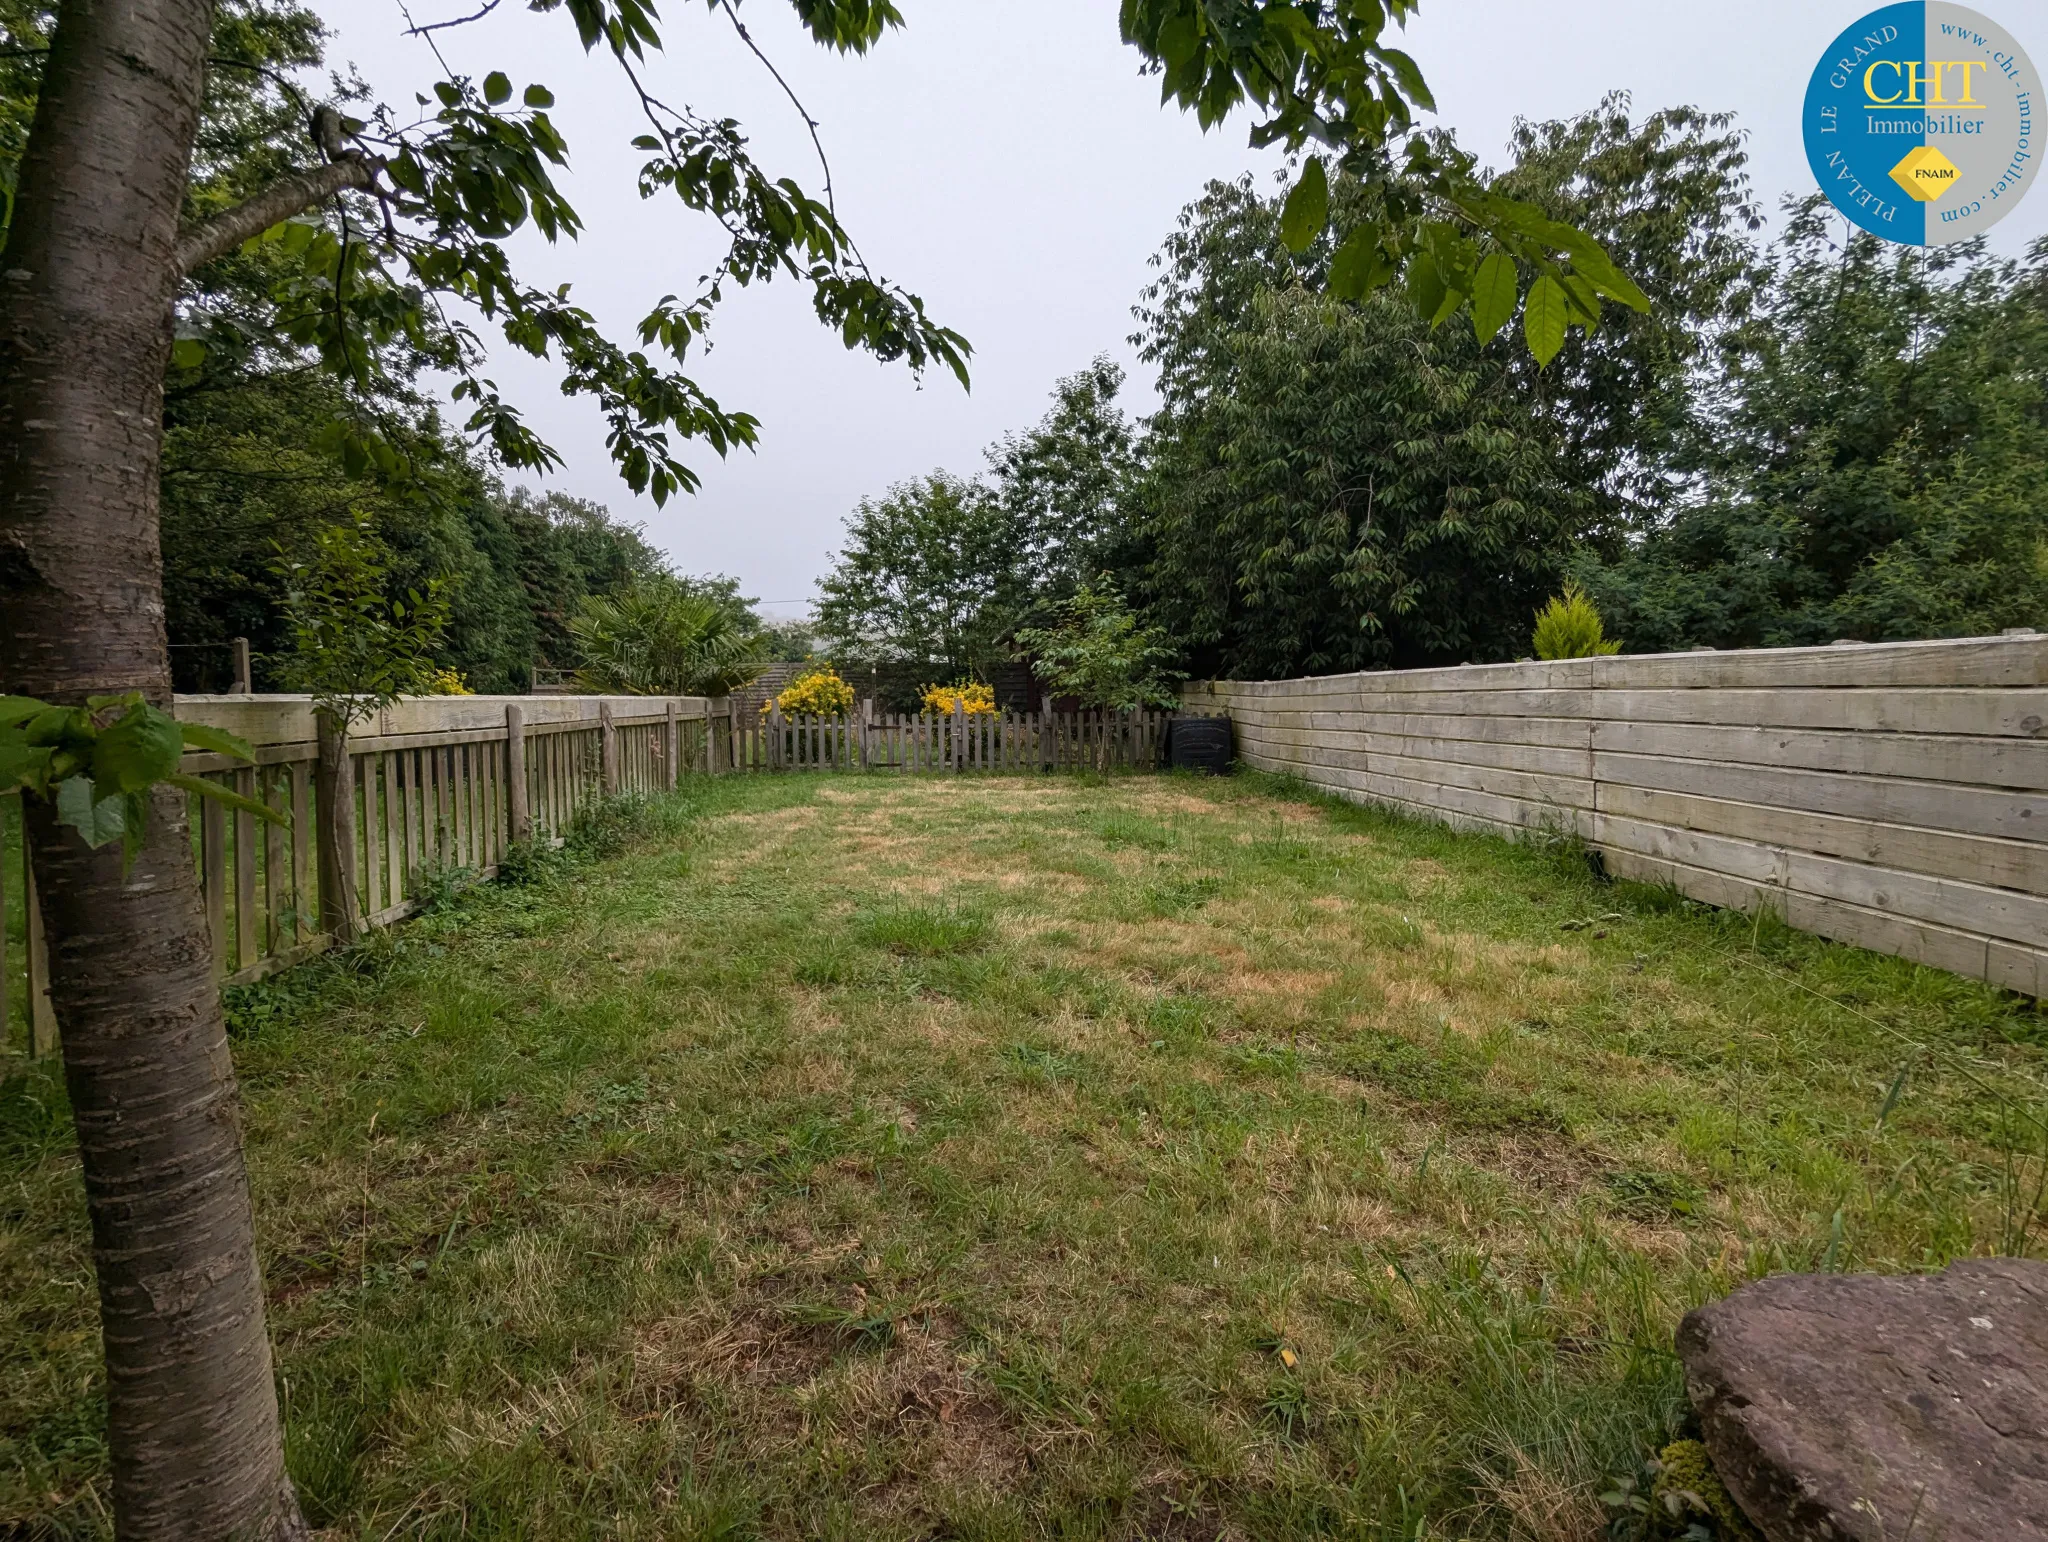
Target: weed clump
column 1678, row 1497
column 923, row 931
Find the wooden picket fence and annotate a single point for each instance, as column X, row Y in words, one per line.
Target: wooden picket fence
column 958, row 741
column 437, row 788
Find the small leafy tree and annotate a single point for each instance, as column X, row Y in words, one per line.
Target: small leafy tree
column 1569, row 628
column 925, row 573
column 1099, row 651
column 354, row 648
column 666, row 637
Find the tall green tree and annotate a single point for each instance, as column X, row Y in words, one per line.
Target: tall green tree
column 923, row 576
column 111, row 212
column 1362, row 495
column 1334, row 485
column 1877, row 463
column 1065, row 485
column 941, row 570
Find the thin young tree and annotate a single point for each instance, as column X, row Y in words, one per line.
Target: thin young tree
column 409, row 245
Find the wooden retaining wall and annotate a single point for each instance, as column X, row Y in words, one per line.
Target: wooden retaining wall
column 1890, row 795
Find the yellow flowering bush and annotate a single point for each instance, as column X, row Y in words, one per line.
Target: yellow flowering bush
column 446, row 682
column 970, row 696
column 819, row 694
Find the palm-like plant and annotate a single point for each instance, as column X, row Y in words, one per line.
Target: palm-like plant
column 660, row 639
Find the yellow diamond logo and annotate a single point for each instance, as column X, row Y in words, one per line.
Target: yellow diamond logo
column 1925, row 173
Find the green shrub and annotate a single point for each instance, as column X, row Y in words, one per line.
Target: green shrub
column 1569, row 628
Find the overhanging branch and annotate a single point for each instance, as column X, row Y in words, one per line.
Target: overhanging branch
column 216, row 237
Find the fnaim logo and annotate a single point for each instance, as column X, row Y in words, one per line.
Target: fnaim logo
column 1922, row 122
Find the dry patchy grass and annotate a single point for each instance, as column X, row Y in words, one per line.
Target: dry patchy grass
column 1002, row 1158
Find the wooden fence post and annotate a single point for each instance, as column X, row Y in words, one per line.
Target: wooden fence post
column 775, row 746
column 672, row 745
column 713, row 751
column 1048, row 747
column 42, row 1017
column 517, row 812
column 244, row 681
column 336, row 792
column 959, row 731
column 607, row 750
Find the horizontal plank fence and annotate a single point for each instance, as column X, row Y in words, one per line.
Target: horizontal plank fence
column 1889, row 795
column 436, row 788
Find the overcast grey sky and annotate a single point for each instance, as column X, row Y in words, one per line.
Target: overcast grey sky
column 1007, row 162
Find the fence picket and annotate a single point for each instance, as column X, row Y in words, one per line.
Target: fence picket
column 42, row 1016
column 245, row 872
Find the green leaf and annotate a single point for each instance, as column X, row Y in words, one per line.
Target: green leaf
column 23, row 765
column 1493, row 295
column 1891, row 1098
column 1409, row 74
column 187, row 353
column 19, row 709
column 1179, row 38
column 1307, row 209
column 539, row 96
column 1448, row 306
column 234, row 800
column 99, row 820
column 1585, row 302
column 142, row 748
column 202, row 737
column 1587, row 254
column 53, row 724
column 1426, row 285
column 1360, row 266
column 497, row 89
column 1543, row 319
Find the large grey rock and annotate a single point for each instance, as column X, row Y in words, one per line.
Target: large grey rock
column 1880, row 1408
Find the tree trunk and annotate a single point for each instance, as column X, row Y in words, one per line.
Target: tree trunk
column 86, row 284
column 335, row 811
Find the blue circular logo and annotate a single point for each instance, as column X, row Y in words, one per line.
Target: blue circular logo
column 1922, row 123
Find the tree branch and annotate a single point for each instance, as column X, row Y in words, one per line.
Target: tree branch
column 216, row 237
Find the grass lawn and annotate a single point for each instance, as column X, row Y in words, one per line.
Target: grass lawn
column 913, row 1158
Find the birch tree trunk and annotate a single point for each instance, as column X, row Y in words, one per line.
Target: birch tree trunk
column 86, row 285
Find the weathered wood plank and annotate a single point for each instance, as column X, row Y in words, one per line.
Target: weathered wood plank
column 1990, row 762
column 213, row 877
column 42, row 1013
column 367, row 773
column 300, row 775
column 246, row 935
column 1942, row 853
column 1993, row 811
